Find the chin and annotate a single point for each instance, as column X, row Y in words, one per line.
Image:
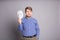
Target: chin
column 28, row 16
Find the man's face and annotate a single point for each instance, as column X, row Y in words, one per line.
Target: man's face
column 28, row 13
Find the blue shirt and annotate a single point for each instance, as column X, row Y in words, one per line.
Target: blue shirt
column 29, row 27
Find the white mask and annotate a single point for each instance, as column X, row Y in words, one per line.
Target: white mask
column 20, row 14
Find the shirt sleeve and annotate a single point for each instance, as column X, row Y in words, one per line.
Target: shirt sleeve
column 37, row 30
column 20, row 28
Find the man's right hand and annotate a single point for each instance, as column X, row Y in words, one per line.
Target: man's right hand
column 19, row 20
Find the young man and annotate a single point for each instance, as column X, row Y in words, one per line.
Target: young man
column 29, row 26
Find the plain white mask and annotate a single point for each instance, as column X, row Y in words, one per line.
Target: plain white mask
column 20, row 14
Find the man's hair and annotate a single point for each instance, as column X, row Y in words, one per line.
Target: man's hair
column 30, row 8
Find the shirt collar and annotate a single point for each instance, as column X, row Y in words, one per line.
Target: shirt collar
column 28, row 18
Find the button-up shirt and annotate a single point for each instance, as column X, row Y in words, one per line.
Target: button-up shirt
column 29, row 27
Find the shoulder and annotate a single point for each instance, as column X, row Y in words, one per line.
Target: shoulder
column 34, row 19
column 23, row 18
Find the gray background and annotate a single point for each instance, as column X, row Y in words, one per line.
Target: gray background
column 47, row 12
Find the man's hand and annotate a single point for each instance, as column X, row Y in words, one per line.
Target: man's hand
column 19, row 20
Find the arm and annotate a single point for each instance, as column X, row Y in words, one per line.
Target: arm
column 37, row 30
column 20, row 28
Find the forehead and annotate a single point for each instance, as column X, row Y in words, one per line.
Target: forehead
column 28, row 10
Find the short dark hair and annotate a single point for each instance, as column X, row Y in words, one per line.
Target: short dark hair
column 30, row 8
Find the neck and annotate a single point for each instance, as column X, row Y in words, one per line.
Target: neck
column 28, row 17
